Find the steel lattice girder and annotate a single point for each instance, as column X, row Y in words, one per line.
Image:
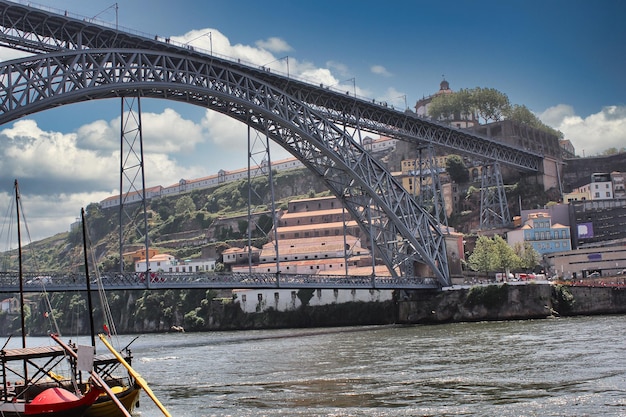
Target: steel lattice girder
column 35, row 30
column 402, row 231
column 494, row 212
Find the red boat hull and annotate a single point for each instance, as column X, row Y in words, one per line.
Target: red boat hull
column 59, row 402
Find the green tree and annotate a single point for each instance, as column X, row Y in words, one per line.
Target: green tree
column 455, row 166
column 445, row 106
column 529, row 257
column 522, row 115
column 506, row 259
column 185, row 205
column 489, row 103
column 612, row 151
column 483, row 258
column 242, row 225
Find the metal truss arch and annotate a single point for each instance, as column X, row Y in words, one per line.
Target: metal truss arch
column 404, row 234
column 32, row 29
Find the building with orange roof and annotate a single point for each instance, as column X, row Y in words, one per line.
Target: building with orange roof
column 188, row 185
column 168, row 263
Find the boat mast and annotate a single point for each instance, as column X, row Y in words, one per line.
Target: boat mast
column 89, row 302
column 21, row 275
column 19, row 257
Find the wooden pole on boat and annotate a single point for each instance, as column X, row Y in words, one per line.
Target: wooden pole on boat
column 138, row 378
column 96, row 378
column 89, row 302
column 21, row 277
column 20, row 272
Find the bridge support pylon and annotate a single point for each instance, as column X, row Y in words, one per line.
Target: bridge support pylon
column 494, row 210
column 132, row 178
column 430, row 192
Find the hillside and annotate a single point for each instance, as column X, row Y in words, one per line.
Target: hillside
column 182, row 225
column 202, row 223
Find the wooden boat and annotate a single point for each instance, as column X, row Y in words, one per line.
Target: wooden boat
column 104, row 407
column 124, row 388
column 35, row 391
column 39, row 395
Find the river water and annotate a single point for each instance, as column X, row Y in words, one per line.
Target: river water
column 553, row 367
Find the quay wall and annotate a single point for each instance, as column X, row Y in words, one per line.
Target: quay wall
column 508, row 302
column 456, row 304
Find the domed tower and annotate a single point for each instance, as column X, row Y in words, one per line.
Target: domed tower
column 444, row 87
column 460, row 121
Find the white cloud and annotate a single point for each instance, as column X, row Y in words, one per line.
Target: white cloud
column 276, row 45
column 590, row 135
column 395, row 98
column 380, row 70
column 340, row 68
column 31, row 153
column 62, row 172
column 45, row 214
column 230, row 140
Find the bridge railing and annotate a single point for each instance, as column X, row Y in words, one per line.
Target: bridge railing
column 58, row 282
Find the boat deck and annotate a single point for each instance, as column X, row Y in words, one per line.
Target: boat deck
column 7, row 355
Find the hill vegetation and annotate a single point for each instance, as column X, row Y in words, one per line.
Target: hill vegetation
column 181, row 225
column 185, row 226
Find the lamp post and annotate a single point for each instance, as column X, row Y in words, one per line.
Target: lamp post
column 285, row 58
column 209, row 34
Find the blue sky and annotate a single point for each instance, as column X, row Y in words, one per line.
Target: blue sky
column 563, row 59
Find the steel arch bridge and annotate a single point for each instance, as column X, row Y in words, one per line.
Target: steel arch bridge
column 75, row 60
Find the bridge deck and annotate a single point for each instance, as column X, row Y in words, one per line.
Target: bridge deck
column 9, row 282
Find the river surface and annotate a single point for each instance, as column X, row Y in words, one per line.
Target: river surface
column 552, row 367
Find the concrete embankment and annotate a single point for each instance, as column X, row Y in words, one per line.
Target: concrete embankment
column 508, row 302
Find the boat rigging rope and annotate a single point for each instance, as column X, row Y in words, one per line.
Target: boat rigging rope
column 106, row 308
column 42, row 281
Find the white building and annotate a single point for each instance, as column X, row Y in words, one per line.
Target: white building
column 168, row 263
column 258, row 300
column 187, row 185
column 160, row 262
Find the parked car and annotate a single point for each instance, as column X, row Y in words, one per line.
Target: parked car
column 594, row 275
column 40, row 280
